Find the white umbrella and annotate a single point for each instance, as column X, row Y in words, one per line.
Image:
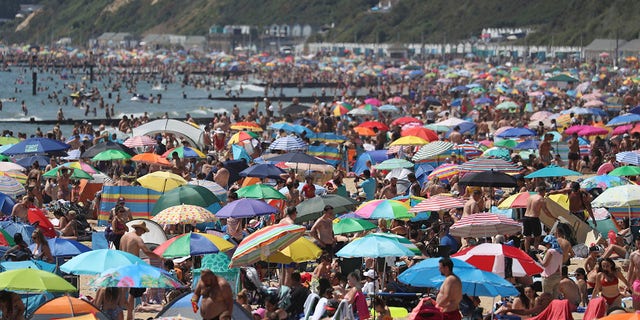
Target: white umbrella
column 10, row 166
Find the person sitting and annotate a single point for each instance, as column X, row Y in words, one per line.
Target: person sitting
column 110, row 301
column 70, row 229
column 382, row 312
column 19, row 252
column 326, row 293
column 42, row 251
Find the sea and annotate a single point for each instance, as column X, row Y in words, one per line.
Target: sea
column 16, row 86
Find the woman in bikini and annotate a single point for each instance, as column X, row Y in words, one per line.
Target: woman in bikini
column 111, row 302
column 42, row 251
column 607, row 282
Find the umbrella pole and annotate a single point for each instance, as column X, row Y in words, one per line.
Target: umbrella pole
column 493, row 303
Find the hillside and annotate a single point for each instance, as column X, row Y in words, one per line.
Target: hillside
column 569, row 22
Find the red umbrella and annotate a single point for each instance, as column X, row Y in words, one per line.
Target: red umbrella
column 491, row 257
column 36, row 215
column 421, row 132
column 374, row 124
column 437, row 203
column 484, row 225
column 404, row 120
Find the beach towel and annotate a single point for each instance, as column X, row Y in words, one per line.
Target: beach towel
column 596, row 309
column 557, row 310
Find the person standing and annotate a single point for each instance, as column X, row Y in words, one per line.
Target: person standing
column 368, row 185
column 579, row 202
column 472, row 206
column 574, row 152
column 552, row 264
column 531, row 227
column 217, row 298
column 450, row 295
column 322, row 231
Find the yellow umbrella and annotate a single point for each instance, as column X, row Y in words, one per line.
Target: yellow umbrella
column 21, row 177
column 161, row 181
column 409, row 141
column 300, row 250
column 561, row 199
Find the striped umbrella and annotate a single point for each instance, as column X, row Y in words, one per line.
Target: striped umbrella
column 384, row 209
column 215, row 188
column 21, row 177
column 484, row 225
column 140, row 141
column 487, row 164
column 262, row 243
column 518, row 200
column 630, row 157
column 394, row 163
column 11, row 187
column 468, row 150
column 246, row 125
column 184, row 214
column 194, row 244
column 10, row 166
column 431, row 150
column 437, row 203
column 445, row 171
column 288, row 143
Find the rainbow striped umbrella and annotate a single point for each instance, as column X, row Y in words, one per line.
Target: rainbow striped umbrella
column 437, row 203
column 445, row 171
column 468, row 150
column 262, row 243
column 194, row 244
column 11, row 187
column 384, row 209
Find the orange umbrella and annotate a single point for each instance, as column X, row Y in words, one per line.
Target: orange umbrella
column 246, row 125
column 151, row 158
column 363, row 131
column 421, row 132
column 623, row 316
column 249, row 181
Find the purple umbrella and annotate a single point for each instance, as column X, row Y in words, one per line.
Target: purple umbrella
column 246, row 208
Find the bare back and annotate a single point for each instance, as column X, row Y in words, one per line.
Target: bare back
column 534, row 206
column 131, row 243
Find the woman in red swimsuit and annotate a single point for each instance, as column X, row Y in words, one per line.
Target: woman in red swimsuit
column 607, row 282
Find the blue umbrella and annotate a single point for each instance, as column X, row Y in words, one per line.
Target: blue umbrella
column 64, row 247
column 517, row 132
column 374, row 246
column 624, row 119
column 97, row 261
column 288, row 143
column 388, row 108
column 630, row 157
column 24, row 229
column 475, row 282
column 635, row 110
column 245, row 208
column 527, row 144
column 459, row 88
column 37, row 145
column 240, row 153
column 27, row 162
column 483, row 100
column 298, row 157
column 456, row 102
column 262, row 170
column 552, row 171
column 6, row 204
column 33, row 264
column 422, row 171
column 182, row 305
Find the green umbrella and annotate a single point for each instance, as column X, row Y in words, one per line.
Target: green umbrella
column 4, row 158
column 506, row 143
column 625, row 171
column 507, row 105
column 34, row 280
column 260, row 191
column 497, row 152
column 351, row 225
column 76, row 174
column 311, row 209
column 111, row 154
column 394, row 163
column 186, row 194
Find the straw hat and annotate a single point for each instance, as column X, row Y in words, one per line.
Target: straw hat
column 142, row 225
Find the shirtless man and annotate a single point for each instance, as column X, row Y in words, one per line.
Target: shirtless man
column 579, row 201
column 472, row 205
column 450, row 295
column 545, row 149
column 222, row 176
column 531, row 227
column 634, row 275
column 21, row 209
column 574, row 152
column 290, row 218
column 132, row 242
column 390, row 191
column 217, row 299
column 569, row 290
column 456, row 136
column 322, row 230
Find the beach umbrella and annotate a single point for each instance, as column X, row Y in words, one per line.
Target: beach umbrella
column 359, row 112
column 352, row 225
column 108, row 145
column 497, row 152
column 288, row 143
column 37, row 217
column 603, row 182
column 215, row 188
column 29, row 161
column 140, row 141
column 617, row 197
column 405, row 120
column 151, row 158
column 10, row 166
column 475, row 282
column 516, row 133
column 552, row 171
column 593, row 131
column 301, row 250
column 373, row 101
column 444, row 171
column 491, row 257
column 98, row 260
column 409, row 141
column 438, row 202
column 11, row 187
column 192, row 244
column 484, row 225
column 421, row 132
column 246, row 125
column 185, row 194
column 262, row 243
column 64, row 247
column 575, row 129
column 21, row 177
column 161, row 181
column 489, row 178
column 297, row 157
column 184, row 214
column 431, row 150
column 518, row 200
column 624, row 119
column 263, row 170
column 374, row 245
column 630, row 157
column 384, row 209
column 6, row 239
column 506, row 143
column 260, row 191
column 374, row 124
column 362, row 131
column 311, row 209
column 540, row 115
column 34, row 280
column 394, row 163
column 623, row 171
column 76, row 174
column 184, row 153
column 12, row 227
column 388, row 108
column 82, row 166
column 37, row 145
column 245, row 208
column 241, row 136
column 294, row 109
column 507, row 105
column 527, row 144
column 110, row 155
column 136, row 276
column 6, row 204
column 488, row 164
column 437, row 128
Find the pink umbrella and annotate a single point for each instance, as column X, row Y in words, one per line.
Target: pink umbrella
column 605, row 168
column 540, row 115
column 535, row 93
column 437, row 203
column 484, row 225
column 593, row 104
column 593, row 131
column 373, row 101
column 622, row 129
column 575, row 129
column 396, row 100
column 140, row 141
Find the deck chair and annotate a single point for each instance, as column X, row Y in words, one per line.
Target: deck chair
column 310, row 305
column 344, row 311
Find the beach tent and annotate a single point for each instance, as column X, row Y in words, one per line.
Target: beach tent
column 193, row 133
column 66, row 306
column 376, row 157
column 182, row 305
column 139, row 199
column 155, row 236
